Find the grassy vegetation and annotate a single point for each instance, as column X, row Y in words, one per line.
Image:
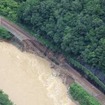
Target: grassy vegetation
column 4, row 100
column 4, row 34
column 82, row 96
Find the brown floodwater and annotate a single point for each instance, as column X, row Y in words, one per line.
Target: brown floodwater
column 28, row 79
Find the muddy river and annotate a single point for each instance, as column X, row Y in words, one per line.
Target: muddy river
column 28, row 79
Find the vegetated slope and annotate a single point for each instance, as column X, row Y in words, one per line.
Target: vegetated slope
column 75, row 27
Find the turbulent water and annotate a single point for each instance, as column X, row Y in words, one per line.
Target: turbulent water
column 28, row 79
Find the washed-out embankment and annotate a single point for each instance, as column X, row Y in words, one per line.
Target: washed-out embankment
column 56, row 60
column 27, row 43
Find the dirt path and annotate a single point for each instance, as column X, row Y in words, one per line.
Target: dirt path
column 22, row 35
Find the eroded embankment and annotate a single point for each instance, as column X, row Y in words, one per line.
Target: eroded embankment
column 31, row 44
column 28, row 79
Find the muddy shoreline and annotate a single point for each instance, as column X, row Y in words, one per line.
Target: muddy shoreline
column 56, row 64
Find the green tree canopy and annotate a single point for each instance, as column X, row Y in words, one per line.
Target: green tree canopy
column 77, row 27
column 8, row 8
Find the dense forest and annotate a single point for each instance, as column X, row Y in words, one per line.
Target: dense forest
column 75, row 27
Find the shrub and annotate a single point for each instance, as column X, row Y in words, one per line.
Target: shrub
column 5, row 34
column 83, row 97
